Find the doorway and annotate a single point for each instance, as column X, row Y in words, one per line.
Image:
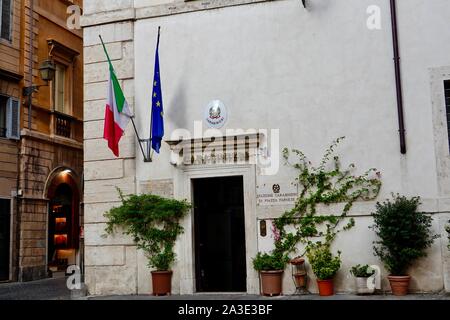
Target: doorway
column 219, row 228
column 62, row 229
column 5, row 225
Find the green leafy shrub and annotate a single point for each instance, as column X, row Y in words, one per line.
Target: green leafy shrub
column 323, row 264
column 270, row 261
column 404, row 233
column 360, row 271
column 153, row 222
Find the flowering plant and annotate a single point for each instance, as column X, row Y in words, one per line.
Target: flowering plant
column 324, row 185
column 275, row 260
column 276, row 232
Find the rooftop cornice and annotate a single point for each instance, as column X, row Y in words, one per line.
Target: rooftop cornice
column 154, row 11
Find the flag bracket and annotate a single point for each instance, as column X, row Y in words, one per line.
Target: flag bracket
column 146, row 142
column 147, row 146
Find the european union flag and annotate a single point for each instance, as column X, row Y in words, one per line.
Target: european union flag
column 157, row 125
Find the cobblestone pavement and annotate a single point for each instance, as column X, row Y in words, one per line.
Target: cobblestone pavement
column 56, row 289
column 47, row 289
column 285, row 297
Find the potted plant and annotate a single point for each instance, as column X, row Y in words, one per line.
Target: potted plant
column 153, row 222
column 271, row 268
column 404, row 235
column 324, row 265
column 362, row 274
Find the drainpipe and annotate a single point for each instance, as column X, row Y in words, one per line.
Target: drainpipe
column 398, row 80
column 17, row 222
column 30, row 102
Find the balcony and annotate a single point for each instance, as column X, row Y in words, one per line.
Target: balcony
column 63, row 125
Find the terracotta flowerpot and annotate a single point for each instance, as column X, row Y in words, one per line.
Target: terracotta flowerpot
column 300, row 274
column 162, row 283
column 271, row 282
column 300, row 280
column 326, row 287
column 399, row 285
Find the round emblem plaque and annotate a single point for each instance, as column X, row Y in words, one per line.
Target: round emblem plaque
column 216, row 114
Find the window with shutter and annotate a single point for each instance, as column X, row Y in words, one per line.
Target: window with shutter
column 59, row 87
column 14, row 119
column 9, row 118
column 5, row 19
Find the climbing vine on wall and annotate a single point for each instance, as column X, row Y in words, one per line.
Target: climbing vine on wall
column 326, row 184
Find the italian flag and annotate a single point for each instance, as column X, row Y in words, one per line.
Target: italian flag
column 117, row 112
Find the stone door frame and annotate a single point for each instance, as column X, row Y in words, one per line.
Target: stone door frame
column 441, row 146
column 183, row 189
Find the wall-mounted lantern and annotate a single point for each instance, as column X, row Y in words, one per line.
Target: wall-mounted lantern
column 47, row 71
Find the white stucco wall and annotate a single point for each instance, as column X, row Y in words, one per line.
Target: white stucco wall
column 315, row 74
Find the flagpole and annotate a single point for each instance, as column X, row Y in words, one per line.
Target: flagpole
column 131, row 118
column 104, row 49
column 149, row 146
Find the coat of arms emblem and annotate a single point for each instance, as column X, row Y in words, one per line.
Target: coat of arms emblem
column 215, row 112
column 276, row 188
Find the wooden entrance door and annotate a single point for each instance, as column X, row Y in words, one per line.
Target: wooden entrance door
column 220, row 253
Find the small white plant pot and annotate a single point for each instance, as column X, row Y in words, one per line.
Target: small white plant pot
column 361, row 286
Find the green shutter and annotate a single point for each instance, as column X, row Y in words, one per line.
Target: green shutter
column 13, row 119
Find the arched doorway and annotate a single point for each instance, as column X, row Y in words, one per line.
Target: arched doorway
column 63, row 223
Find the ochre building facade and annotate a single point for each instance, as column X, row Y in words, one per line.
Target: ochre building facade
column 41, row 150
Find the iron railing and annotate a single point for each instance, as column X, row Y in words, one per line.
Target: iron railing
column 63, row 125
